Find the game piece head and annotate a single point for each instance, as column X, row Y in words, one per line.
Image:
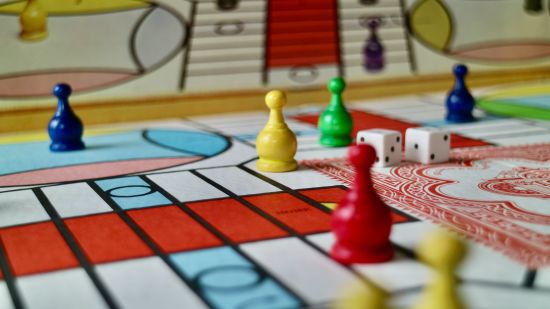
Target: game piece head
column 275, row 99
column 441, row 250
column 533, row 6
column 227, row 5
column 359, row 297
column 368, row 2
column 336, row 85
column 361, row 156
column 460, row 70
column 62, row 91
column 374, row 22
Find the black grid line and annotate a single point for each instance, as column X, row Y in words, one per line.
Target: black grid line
column 75, row 248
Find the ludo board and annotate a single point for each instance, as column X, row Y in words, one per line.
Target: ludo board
column 132, row 48
column 174, row 214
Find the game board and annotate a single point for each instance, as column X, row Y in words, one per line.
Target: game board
column 174, row 214
column 130, row 48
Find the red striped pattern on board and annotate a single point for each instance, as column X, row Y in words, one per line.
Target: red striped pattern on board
column 365, row 121
column 302, row 33
column 236, row 221
column 36, row 248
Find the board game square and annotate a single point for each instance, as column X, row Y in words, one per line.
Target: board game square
column 35, row 248
column 235, row 220
column 234, row 179
column 293, row 212
column 132, row 192
column 20, row 207
column 76, row 199
column 331, row 196
column 61, row 289
column 186, row 187
column 229, row 280
column 5, row 298
column 106, row 238
column 398, row 274
column 147, row 283
column 172, row 229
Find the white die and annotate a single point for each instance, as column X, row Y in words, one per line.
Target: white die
column 387, row 144
column 427, row 145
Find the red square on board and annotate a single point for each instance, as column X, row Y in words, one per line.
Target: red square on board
column 236, row 221
column 335, row 195
column 172, row 229
column 293, row 212
column 106, row 238
column 325, row 195
column 36, row 248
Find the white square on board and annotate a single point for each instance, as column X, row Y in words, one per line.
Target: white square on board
column 503, row 297
column 186, row 187
column 312, row 275
column 481, row 262
column 20, row 207
column 5, row 299
column 61, row 289
column 76, row 199
column 147, row 283
column 399, row 273
column 238, row 181
column 486, row 264
column 302, row 178
column 542, row 280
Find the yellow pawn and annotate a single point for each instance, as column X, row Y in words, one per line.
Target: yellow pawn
column 372, row 298
column 276, row 144
column 443, row 253
column 33, row 22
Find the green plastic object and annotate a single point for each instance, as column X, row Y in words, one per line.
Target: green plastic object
column 508, row 109
column 335, row 122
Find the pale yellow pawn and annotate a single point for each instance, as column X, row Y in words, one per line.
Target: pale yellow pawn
column 443, row 252
column 372, row 298
column 276, row 144
column 34, row 22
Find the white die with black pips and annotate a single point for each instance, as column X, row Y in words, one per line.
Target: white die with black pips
column 427, row 145
column 387, row 144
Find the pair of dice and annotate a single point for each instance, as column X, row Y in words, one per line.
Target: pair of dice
column 424, row 145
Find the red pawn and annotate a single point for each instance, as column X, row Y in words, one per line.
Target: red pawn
column 362, row 222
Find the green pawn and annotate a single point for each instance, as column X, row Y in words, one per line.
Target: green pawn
column 335, row 122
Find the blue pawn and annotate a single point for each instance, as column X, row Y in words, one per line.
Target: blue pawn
column 460, row 103
column 65, row 128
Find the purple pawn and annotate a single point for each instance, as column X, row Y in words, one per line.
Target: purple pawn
column 373, row 51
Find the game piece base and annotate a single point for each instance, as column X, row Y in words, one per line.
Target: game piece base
column 34, row 35
column 67, row 146
column 335, row 141
column 276, row 166
column 346, row 256
column 460, row 118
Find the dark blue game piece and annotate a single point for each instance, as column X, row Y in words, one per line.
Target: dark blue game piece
column 227, row 5
column 65, row 128
column 373, row 51
column 460, row 102
column 533, row 6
